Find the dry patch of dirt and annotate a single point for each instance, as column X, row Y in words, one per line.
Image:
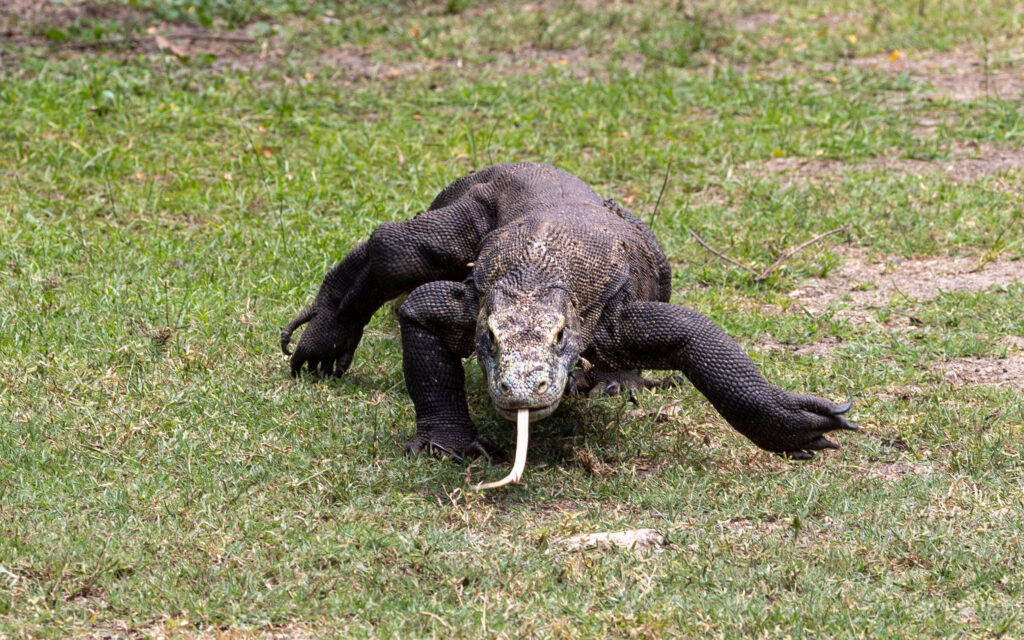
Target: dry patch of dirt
column 744, row 526
column 991, row 372
column 26, row 22
column 354, row 64
column 636, row 540
column 239, row 50
column 1015, row 343
column 895, row 471
column 21, row 17
column 967, row 161
column 961, row 74
column 863, row 285
column 752, row 22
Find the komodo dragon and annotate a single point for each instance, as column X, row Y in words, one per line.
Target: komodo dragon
column 527, row 266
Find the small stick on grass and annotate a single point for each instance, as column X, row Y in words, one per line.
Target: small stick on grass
column 664, row 183
column 764, row 275
column 434, row 616
column 721, row 255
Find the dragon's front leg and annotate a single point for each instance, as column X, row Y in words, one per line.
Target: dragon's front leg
column 438, row 325
column 658, row 335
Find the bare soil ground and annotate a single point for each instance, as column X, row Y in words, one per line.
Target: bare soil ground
column 993, row 372
column 965, row 73
column 23, row 18
column 864, row 284
column 961, row 74
column 355, row 64
column 895, row 471
column 26, row 21
column 967, row 161
column 636, row 540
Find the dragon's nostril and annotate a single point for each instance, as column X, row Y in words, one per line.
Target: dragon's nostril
column 542, row 386
column 504, row 387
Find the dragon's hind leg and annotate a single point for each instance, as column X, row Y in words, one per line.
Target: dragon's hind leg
column 594, row 383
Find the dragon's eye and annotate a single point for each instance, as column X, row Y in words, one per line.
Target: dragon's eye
column 561, row 340
column 492, row 342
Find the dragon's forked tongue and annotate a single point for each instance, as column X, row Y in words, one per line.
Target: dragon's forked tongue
column 522, row 438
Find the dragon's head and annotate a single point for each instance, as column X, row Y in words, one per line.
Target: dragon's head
column 527, row 343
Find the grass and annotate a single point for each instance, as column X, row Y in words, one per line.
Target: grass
column 162, row 217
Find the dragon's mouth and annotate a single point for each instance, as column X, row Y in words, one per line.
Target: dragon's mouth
column 536, row 413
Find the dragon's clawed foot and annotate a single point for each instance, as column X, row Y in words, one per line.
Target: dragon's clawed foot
column 444, row 447
column 810, row 419
column 327, row 344
column 596, row 384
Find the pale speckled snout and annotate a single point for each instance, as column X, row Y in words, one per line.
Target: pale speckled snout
column 528, row 377
column 527, row 348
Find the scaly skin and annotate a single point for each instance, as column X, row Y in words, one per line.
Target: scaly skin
column 525, row 264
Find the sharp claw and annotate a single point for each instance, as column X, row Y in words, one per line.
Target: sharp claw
column 850, row 426
column 797, row 455
column 632, row 397
column 448, row 452
column 843, row 408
